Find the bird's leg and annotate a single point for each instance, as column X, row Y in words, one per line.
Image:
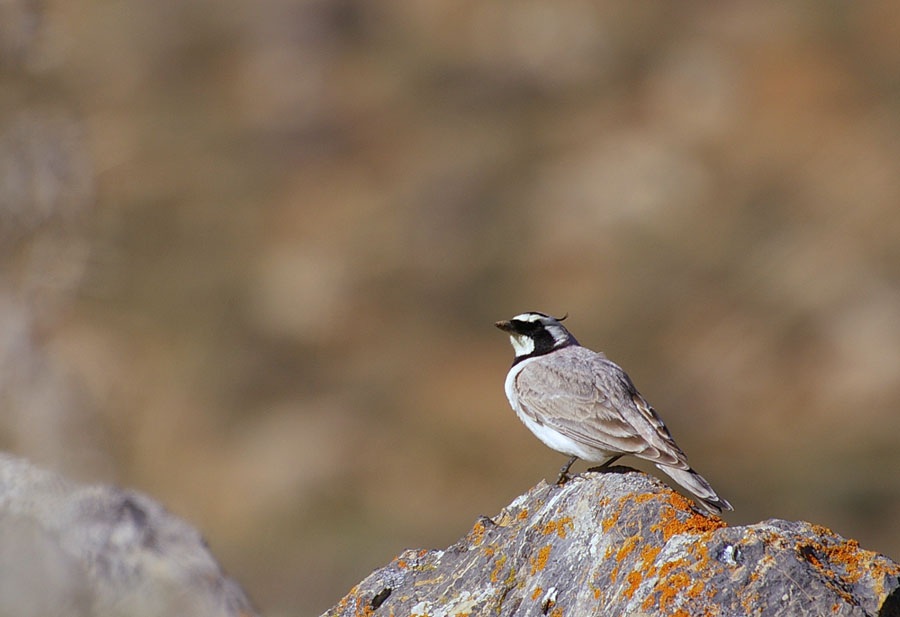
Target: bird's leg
column 608, row 463
column 563, row 476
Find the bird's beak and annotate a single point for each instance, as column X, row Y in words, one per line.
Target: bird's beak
column 506, row 326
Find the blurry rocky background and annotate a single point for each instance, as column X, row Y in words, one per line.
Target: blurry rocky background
column 251, row 252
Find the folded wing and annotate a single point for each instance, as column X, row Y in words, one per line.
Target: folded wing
column 591, row 400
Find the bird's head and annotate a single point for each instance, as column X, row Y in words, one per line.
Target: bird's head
column 535, row 334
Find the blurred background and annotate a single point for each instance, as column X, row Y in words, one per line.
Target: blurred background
column 251, row 254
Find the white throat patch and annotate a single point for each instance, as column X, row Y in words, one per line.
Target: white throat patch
column 522, row 345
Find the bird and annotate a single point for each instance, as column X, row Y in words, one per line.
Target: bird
column 580, row 403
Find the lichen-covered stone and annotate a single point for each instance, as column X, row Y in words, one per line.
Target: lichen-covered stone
column 622, row 543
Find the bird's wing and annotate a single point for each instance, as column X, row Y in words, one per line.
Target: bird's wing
column 589, row 399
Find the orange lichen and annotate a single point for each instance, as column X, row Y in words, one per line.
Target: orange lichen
column 700, row 550
column 811, row 558
column 671, row 587
column 609, row 522
column 401, row 563
column 477, row 533
column 556, row 612
column 670, row 525
column 558, row 527
column 648, row 556
column 634, row 580
column 853, row 561
column 536, row 593
column 680, row 502
column 539, row 562
column 696, row 590
column 627, row 546
column 673, row 580
column 523, row 514
column 645, row 568
column 342, row 605
column 848, row 553
column 363, row 608
column 857, row 561
column 671, row 565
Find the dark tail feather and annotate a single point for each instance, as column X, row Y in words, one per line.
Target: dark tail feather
column 696, row 484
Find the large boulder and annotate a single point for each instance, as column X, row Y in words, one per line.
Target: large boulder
column 620, row 542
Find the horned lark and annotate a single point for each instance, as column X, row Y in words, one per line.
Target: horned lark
column 580, row 403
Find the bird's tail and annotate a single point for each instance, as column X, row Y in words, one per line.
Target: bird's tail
column 697, row 484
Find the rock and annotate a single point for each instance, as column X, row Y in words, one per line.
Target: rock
column 70, row 550
column 622, row 543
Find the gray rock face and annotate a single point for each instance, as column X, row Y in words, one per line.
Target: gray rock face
column 70, row 550
column 622, row 543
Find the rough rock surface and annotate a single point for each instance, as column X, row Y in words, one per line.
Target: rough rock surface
column 622, row 543
column 68, row 550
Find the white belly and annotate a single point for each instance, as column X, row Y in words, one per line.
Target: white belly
column 551, row 438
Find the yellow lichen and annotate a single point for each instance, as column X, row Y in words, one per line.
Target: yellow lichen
column 498, row 567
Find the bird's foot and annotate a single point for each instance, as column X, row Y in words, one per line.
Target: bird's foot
column 564, row 476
